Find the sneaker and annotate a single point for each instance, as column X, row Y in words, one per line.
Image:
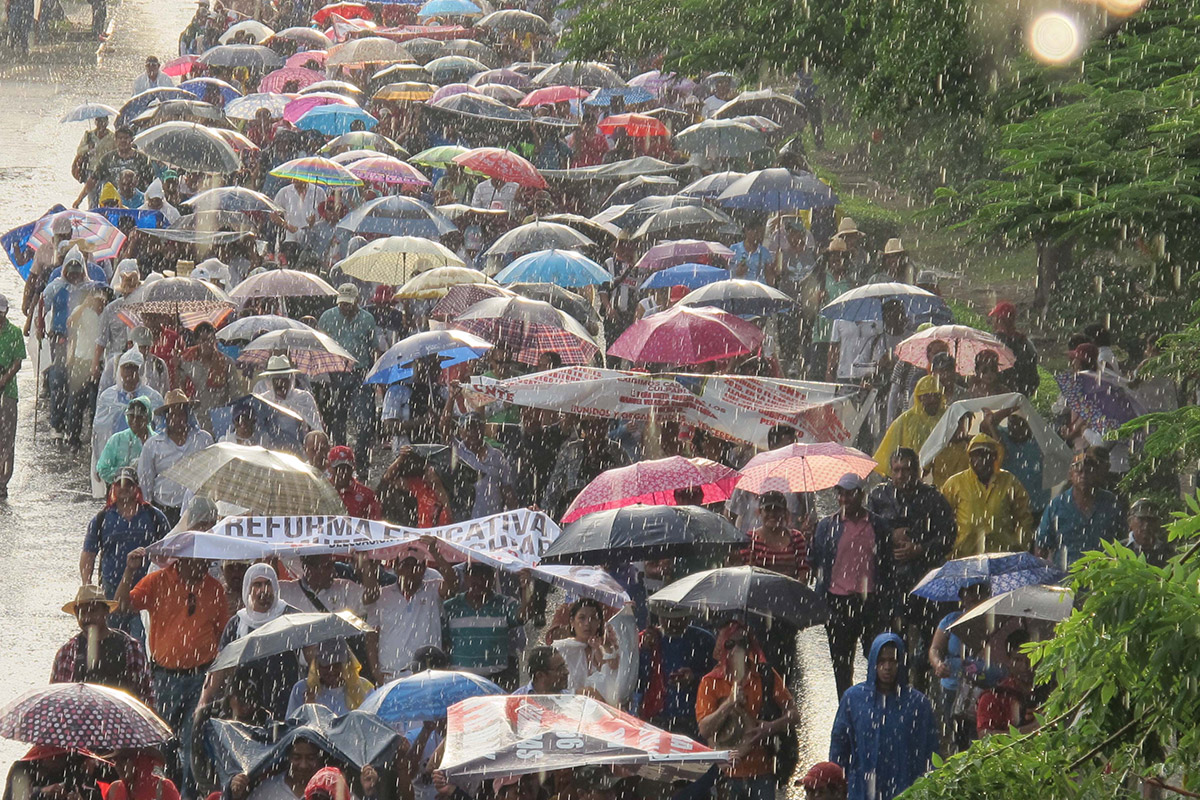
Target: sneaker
column 56, row 436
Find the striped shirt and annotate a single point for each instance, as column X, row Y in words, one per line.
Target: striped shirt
column 791, row 560
column 479, row 637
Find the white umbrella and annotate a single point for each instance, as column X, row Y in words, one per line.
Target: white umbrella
column 264, row 481
column 283, row 283
column 249, row 328
column 396, row 259
column 1034, row 602
column 434, row 284
column 258, row 31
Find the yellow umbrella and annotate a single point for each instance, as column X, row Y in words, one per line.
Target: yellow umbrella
column 434, row 284
column 414, row 91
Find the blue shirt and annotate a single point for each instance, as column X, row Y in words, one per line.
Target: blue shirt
column 1069, row 533
column 113, row 537
column 1025, row 461
column 755, row 262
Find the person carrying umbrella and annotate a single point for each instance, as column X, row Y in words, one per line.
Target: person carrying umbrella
column 912, row 428
column 355, row 330
column 138, row 782
column 333, row 680
column 179, row 437
column 751, row 259
column 239, row 702
column 990, row 505
column 109, row 168
column 285, row 393
column 100, row 654
column 1011, row 703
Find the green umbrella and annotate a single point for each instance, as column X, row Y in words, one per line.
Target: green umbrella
column 438, row 156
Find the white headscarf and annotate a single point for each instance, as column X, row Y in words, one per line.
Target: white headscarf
column 248, row 618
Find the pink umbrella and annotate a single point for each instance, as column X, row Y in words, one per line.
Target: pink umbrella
column 449, row 90
column 304, row 56
column 297, row 108
column 682, row 251
column 178, row 67
column 549, row 95
column 653, row 483
column 657, row 82
column 275, row 81
column 687, row 335
column 803, row 468
column 496, row 162
column 965, row 344
column 386, row 169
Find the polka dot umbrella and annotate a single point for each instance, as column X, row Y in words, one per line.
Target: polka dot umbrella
column 82, row 715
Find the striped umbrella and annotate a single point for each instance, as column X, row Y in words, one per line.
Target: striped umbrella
column 459, row 298
column 386, row 169
column 100, row 238
column 311, row 352
column 529, row 328
column 318, row 170
column 264, row 482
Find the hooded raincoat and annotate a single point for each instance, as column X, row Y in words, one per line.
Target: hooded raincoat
column 911, row 428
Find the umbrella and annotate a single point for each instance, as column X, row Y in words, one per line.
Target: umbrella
column 100, row 237
column 82, row 716
column 1032, row 601
column 213, row 221
column 400, row 72
column 512, row 20
column 598, row 231
column 450, row 346
column 1103, row 401
column 476, row 104
column 686, row 335
column 191, row 110
column 472, row 49
column 396, row 259
column 716, row 138
column 641, row 187
column 89, row 111
column 683, row 219
column 787, row 111
column 254, row 56
column 248, row 328
column 343, row 10
column 318, row 170
column 388, row 170
column 287, row 633
column 365, row 140
column 464, row 295
column 434, row 284
column 563, row 299
column 505, row 94
column 186, row 145
column 534, row 236
column 265, row 482
column 348, row 157
column 652, row 483
column 454, row 69
column 503, row 77
column 528, row 328
column 657, row 82
column 711, row 186
column 177, row 295
column 803, row 468
column 177, row 67
column 282, row 283
column 312, row 352
column 739, row 296
column 200, row 87
column 448, row 8
column 633, row 533
column 423, row 48
column 692, row 276
column 405, row 91
column 576, row 73
column 239, row 142
column 636, row 125
column 682, row 251
column 865, row 304
column 561, row 267
column 248, row 107
column 425, row 696
column 759, row 123
column 309, row 38
column 140, row 102
column 440, row 156
column 448, row 91
column 367, row 50
column 278, row 80
column 395, row 216
column 744, row 590
column 965, row 344
column 549, row 95
column 777, row 190
column 302, row 104
column 334, row 119
column 232, row 198
column 630, row 95
column 337, row 87
column 1002, row 572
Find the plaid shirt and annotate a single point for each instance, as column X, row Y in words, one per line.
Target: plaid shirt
column 134, row 678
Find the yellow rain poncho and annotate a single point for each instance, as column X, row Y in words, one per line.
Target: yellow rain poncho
column 911, row 428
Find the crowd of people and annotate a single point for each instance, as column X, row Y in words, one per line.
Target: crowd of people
column 144, row 336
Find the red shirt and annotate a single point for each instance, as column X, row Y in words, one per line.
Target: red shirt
column 588, row 151
column 360, row 501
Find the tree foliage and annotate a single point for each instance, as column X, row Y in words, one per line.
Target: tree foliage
column 1126, row 693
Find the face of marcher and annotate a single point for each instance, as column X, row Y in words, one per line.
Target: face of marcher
column 130, row 377
column 1147, row 531
column 342, row 474
column 91, row 615
column 586, row 623
column 887, row 667
column 826, row 793
column 262, row 595
column 983, row 462
column 904, row 473
column 304, row 760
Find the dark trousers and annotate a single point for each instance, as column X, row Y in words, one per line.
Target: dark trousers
column 854, row 622
column 350, row 401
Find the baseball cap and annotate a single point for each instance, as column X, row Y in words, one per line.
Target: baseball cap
column 981, row 441
column 340, row 455
column 850, row 482
column 347, row 293
column 823, row 774
column 127, row 474
column 1003, row 309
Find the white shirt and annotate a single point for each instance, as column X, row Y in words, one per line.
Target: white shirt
column 580, row 674
column 406, row 624
column 712, row 104
column 488, row 196
column 860, row 345
column 159, row 454
column 297, row 209
column 300, row 401
column 342, row 595
column 143, row 83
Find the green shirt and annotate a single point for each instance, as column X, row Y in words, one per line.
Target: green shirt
column 12, row 349
column 121, row 450
column 356, row 334
column 478, row 637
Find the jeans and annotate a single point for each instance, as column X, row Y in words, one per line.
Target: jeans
column 350, row 401
column 759, row 788
column 853, row 620
column 176, row 694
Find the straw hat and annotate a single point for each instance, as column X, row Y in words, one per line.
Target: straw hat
column 277, row 366
column 87, row 594
column 175, row 397
column 893, row 246
column 837, row 245
column 848, row 227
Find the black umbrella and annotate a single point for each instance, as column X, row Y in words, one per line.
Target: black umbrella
column 642, row 186
column 454, row 69
column 744, row 590
column 580, row 73
column 423, row 49
column 563, row 300
column 645, row 208
column 186, row 145
column 636, row 532
column 287, row 633
column 786, row 111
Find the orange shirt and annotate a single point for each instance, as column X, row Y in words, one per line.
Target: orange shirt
column 179, row 640
column 714, row 688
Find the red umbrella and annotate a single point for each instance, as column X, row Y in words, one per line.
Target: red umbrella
column 653, row 483
column 687, row 335
column 275, row 81
column 343, row 10
column 177, row 67
column 496, row 162
column 528, row 328
column 803, row 468
column 82, row 716
column 553, row 94
column 638, row 125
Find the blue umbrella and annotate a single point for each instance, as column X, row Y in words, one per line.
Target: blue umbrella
column 198, row 87
column 693, row 276
column 632, row 95
column 334, row 119
column 89, row 111
column 1003, row 572
column 865, row 304
column 140, row 102
column 561, row 267
column 425, row 696
column 777, row 189
column 451, row 346
column 446, row 8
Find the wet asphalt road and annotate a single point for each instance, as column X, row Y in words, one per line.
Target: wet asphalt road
column 42, row 525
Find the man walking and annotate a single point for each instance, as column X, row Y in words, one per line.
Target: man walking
column 990, row 505
column 354, row 329
column 181, row 437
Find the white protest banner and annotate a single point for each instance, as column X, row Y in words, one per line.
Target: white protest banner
column 736, row 407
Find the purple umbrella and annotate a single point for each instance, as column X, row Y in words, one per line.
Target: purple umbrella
column 1102, row 401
